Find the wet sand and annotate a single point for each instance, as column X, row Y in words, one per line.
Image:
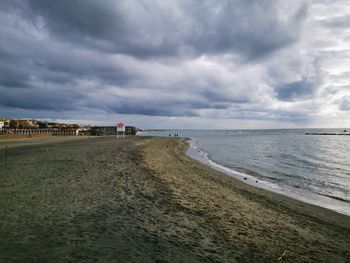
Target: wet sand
column 144, row 200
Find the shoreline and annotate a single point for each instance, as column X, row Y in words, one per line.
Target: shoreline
column 143, row 199
column 251, row 187
column 308, row 197
column 232, row 199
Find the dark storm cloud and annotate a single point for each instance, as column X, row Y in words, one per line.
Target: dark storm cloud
column 152, row 110
column 221, row 97
column 156, row 106
column 295, row 90
column 12, row 77
column 137, row 28
column 55, row 99
column 154, row 58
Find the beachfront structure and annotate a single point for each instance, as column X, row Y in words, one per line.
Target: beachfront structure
column 121, row 129
column 130, row 130
column 103, row 130
column 43, row 124
column 30, row 127
column 23, row 124
column 6, row 122
column 111, row 130
column 54, row 132
column 35, row 124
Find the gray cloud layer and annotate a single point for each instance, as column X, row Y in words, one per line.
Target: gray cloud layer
column 254, row 60
column 144, row 29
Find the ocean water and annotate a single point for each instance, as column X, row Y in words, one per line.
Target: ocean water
column 311, row 168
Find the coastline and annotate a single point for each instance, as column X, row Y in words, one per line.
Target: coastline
column 238, row 208
column 335, row 204
column 143, row 199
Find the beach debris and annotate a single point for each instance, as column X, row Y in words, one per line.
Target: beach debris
column 284, row 256
column 245, row 178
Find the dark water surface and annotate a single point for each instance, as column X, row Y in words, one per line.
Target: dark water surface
column 312, row 168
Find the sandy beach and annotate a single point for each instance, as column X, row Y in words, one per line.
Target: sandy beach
column 143, row 200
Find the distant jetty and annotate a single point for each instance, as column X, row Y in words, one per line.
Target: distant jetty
column 327, row 133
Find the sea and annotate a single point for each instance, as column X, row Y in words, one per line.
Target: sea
column 305, row 164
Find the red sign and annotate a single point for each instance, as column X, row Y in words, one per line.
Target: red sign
column 120, row 124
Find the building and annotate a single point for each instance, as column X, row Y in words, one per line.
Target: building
column 111, row 130
column 130, row 130
column 23, row 124
column 28, row 127
column 6, row 123
column 103, row 130
column 43, row 124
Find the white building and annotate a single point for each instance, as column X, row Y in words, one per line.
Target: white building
column 1, row 125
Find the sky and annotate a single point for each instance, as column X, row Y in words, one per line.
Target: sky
column 211, row 64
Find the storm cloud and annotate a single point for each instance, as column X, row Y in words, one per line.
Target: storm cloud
column 168, row 28
column 274, row 61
